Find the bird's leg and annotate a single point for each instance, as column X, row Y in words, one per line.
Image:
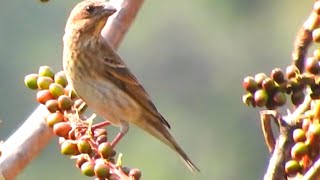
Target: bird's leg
column 124, row 128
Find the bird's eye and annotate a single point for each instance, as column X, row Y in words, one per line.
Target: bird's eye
column 90, row 9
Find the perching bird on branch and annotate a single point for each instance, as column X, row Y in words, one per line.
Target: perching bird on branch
column 100, row 77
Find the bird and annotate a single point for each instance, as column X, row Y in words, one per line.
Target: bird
column 101, row 78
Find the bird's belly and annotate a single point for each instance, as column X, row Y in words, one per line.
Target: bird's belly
column 107, row 100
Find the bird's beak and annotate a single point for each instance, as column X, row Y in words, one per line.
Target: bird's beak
column 108, row 9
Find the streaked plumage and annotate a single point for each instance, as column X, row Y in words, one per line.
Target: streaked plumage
column 102, row 79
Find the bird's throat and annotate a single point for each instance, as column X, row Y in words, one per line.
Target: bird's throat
column 98, row 28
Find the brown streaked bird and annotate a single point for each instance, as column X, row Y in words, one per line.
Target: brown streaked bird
column 102, row 79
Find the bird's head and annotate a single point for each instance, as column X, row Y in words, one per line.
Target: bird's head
column 89, row 16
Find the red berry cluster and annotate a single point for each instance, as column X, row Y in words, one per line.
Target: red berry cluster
column 272, row 92
column 78, row 137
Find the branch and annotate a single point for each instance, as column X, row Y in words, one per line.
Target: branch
column 304, row 40
column 29, row 140
column 119, row 23
column 281, row 152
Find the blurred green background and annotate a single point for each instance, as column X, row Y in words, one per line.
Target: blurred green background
column 190, row 55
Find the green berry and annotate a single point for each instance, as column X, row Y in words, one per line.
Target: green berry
column 101, row 170
column 299, row 135
column 46, row 71
column 84, row 146
column 292, row 167
column 298, row 150
column 61, row 79
column 31, row 81
column 56, row 90
column 105, row 149
column 87, row 169
column 248, row 100
column 69, row 148
column 44, row 82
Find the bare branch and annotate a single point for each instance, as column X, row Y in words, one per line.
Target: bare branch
column 120, row 22
column 303, row 40
column 281, row 153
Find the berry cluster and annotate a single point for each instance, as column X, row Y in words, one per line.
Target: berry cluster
column 306, row 148
column 78, row 137
column 270, row 92
column 301, row 83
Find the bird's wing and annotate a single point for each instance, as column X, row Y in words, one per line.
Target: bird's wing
column 120, row 75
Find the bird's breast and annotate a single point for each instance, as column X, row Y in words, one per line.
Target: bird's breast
column 93, row 86
column 107, row 100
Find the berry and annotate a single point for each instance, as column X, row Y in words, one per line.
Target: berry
column 46, row 71
column 105, row 149
column 87, row 168
column 31, row 81
column 62, row 129
column 69, row 148
column 54, row 118
column 43, row 96
column 60, row 78
column 261, row 98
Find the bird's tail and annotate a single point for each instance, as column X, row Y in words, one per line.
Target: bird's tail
column 158, row 129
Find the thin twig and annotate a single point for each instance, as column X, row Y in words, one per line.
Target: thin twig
column 29, row 140
column 265, row 117
column 295, row 118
